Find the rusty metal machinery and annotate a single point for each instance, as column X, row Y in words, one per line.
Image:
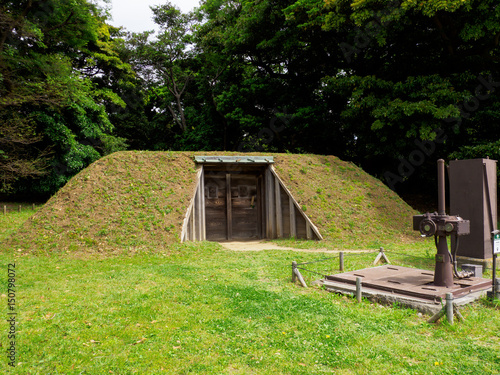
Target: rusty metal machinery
column 440, row 226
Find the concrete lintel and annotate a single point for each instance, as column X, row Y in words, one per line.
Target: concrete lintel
column 213, row 159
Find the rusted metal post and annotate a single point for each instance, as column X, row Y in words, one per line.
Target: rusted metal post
column 443, row 272
column 441, row 188
column 341, row 261
column 440, row 226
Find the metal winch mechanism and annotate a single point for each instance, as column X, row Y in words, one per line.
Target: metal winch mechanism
column 441, row 226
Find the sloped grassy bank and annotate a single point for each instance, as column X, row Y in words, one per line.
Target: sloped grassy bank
column 130, row 201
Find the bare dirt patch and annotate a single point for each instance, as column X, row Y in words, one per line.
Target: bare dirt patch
column 265, row 245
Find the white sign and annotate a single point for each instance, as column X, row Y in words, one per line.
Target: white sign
column 496, row 244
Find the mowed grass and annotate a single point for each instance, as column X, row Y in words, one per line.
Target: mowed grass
column 203, row 310
column 199, row 309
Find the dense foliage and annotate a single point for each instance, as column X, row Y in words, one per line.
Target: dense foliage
column 52, row 108
column 390, row 85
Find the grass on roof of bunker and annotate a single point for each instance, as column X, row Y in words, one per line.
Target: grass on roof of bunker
column 127, row 200
column 350, row 207
column 134, row 201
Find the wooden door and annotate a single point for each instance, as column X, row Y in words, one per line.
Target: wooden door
column 244, row 206
column 232, row 206
column 215, row 206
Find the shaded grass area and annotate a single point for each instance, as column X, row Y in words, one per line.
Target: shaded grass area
column 204, row 310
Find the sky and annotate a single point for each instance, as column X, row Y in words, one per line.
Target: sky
column 136, row 16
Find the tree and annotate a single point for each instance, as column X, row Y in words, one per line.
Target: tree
column 55, row 121
column 368, row 81
column 412, row 72
column 165, row 61
column 267, row 95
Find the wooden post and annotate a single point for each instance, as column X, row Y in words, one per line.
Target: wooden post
column 297, row 275
column 270, row 205
column 312, row 227
column 341, row 261
column 279, row 213
column 19, row 208
column 301, row 279
column 262, row 208
column 202, row 208
column 381, row 255
column 199, row 212
column 293, row 224
column 191, row 224
column 195, row 215
column 4, row 209
column 449, row 307
column 33, row 207
column 308, row 231
column 358, row 289
column 457, row 313
column 229, row 211
column 449, row 310
column 188, row 226
column 437, row 316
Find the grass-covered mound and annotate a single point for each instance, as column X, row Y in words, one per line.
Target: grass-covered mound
column 126, row 200
column 350, row 207
column 130, row 201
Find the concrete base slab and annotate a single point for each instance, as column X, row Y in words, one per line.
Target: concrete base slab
column 407, row 287
column 486, row 263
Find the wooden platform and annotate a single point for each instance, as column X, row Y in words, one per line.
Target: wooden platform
column 408, row 282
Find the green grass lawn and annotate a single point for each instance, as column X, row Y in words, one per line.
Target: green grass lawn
column 200, row 309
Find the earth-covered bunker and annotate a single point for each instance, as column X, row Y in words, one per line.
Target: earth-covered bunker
column 243, row 198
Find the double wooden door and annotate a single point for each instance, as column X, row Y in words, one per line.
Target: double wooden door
column 233, row 208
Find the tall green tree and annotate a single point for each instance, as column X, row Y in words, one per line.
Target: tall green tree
column 165, row 60
column 54, row 120
column 391, row 85
column 413, row 73
column 268, row 100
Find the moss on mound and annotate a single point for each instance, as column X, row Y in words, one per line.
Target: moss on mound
column 130, row 201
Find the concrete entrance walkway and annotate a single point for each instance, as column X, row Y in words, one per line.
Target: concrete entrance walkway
column 265, row 245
